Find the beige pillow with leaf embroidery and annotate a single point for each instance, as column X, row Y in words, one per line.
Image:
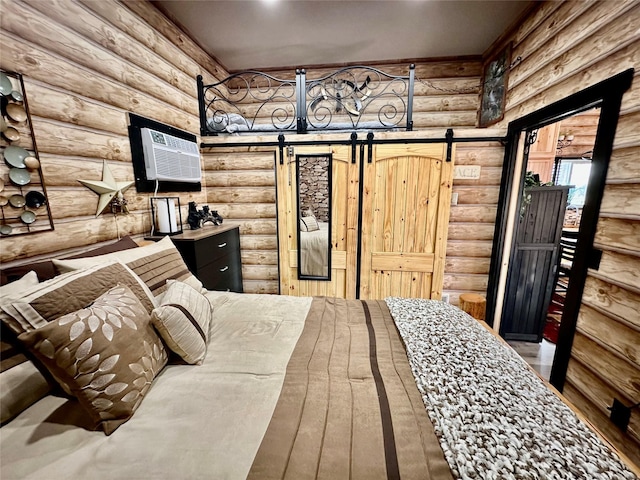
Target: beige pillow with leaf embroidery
column 106, row 354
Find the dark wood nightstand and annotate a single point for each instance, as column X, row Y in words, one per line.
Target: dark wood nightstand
column 212, row 253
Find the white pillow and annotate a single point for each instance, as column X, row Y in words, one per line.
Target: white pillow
column 183, row 321
column 14, row 290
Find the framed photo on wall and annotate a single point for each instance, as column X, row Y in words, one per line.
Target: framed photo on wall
column 494, row 88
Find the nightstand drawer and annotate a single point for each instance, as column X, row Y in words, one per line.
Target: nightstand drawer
column 222, row 274
column 218, row 246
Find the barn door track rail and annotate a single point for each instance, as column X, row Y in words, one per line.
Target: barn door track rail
column 354, row 141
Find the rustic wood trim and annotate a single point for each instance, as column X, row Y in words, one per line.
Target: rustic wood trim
column 611, row 315
column 414, row 262
column 613, row 248
column 600, row 393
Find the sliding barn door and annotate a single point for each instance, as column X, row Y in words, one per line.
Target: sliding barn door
column 406, row 204
column 343, row 218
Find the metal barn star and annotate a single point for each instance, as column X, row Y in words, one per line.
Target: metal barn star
column 108, row 188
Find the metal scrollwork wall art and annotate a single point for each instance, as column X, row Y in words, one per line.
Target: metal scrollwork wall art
column 24, row 205
column 357, row 97
column 275, row 100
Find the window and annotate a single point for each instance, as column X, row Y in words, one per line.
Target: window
column 574, row 171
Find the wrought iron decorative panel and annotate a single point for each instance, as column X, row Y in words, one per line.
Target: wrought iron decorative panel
column 351, row 98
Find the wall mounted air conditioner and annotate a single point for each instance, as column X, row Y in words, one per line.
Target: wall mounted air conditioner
column 169, row 158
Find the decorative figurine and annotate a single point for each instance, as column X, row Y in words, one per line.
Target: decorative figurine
column 208, row 216
column 197, row 218
column 194, row 218
column 108, row 188
column 119, row 204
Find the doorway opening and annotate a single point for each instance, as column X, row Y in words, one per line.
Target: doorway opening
column 558, row 165
column 608, row 96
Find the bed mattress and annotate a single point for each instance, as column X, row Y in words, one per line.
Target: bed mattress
column 295, row 387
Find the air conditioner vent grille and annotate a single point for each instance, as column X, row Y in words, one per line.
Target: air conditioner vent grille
column 170, row 158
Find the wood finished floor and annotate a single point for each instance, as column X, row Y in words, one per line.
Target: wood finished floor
column 538, row 355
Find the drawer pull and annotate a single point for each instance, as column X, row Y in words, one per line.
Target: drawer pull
column 224, row 269
column 222, row 245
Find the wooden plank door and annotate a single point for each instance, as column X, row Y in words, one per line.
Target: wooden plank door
column 406, row 205
column 344, row 191
column 533, row 264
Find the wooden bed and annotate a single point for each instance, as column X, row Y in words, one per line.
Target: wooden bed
column 287, row 387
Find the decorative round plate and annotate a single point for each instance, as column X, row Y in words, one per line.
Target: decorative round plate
column 5, row 229
column 3, row 124
column 28, row 217
column 15, row 156
column 5, row 85
column 17, row 96
column 16, row 112
column 12, row 134
column 3, row 200
column 19, row 176
column 17, row 201
column 1, row 184
column 35, row 199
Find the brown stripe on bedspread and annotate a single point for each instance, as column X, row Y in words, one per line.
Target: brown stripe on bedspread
column 349, row 406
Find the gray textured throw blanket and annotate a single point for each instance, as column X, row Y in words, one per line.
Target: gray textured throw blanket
column 495, row 419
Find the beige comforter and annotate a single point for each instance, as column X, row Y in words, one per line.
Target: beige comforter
column 276, row 397
column 197, row 422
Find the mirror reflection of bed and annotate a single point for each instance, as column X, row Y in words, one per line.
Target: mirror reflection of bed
column 314, row 248
column 314, row 207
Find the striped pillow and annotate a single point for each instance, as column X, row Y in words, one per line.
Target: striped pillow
column 154, row 264
column 183, row 321
column 69, row 292
column 309, row 224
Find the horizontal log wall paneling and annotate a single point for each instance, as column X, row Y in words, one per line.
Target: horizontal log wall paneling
column 241, row 186
column 472, row 220
column 86, row 65
column 565, row 48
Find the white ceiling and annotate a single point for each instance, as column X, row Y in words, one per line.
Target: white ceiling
column 261, row 34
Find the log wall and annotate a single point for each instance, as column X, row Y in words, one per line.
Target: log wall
column 446, row 97
column 86, row 65
column 565, row 48
column 241, row 186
